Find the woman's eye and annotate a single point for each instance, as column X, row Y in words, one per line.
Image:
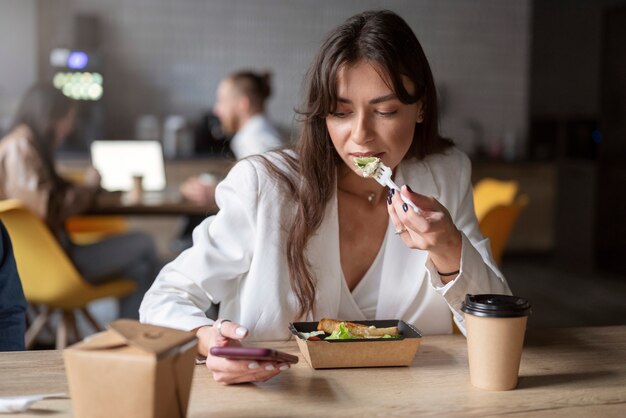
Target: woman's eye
column 340, row 114
column 386, row 114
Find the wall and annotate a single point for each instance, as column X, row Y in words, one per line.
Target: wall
column 164, row 56
column 18, row 48
column 565, row 59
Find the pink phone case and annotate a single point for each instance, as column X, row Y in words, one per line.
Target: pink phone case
column 253, row 353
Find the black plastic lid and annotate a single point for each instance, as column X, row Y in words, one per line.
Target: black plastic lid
column 495, row 306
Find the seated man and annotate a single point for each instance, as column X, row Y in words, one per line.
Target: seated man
column 12, row 301
column 240, row 108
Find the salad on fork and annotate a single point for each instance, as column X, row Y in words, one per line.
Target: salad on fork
column 374, row 167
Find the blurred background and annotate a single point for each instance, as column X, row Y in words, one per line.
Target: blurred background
column 534, row 91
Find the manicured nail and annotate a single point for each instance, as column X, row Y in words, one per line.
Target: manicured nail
column 389, row 200
column 392, row 191
column 269, row 367
column 241, row 331
column 389, row 194
column 284, row 367
column 405, row 207
column 253, row 365
column 408, row 188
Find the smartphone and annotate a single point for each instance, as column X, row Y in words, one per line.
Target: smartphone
column 253, row 353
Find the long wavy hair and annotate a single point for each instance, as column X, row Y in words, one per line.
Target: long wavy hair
column 382, row 38
column 42, row 107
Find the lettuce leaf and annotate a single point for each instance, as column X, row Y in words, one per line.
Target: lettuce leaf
column 341, row 333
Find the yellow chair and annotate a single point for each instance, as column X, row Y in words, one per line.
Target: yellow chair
column 51, row 282
column 87, row 229
column 498, row 223
column 490, row 192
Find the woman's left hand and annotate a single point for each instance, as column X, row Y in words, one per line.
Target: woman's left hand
column 432, row 229
column 92, row 177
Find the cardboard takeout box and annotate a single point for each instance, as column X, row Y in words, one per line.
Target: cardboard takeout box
column 378, row 352
column 131, row 370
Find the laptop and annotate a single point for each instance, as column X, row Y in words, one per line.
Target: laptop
column 118, row 161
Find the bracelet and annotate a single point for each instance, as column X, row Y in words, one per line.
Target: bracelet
column 452, row 273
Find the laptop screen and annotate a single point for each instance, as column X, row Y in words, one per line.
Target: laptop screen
column 118, row 161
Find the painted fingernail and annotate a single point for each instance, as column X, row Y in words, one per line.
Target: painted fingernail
column 389, row 200
column 253, row 365
column 389, row 194
column 409, row 189
column 284, row 367
column 405, row 207
column 241, row 331
column 269, row 367
column 392, row 191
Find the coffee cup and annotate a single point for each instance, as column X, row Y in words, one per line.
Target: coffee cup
column 136, row 191
column 495, row 326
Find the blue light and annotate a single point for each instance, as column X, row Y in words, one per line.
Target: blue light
column 596, row 136
column 77, row 60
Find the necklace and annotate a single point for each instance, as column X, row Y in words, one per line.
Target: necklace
column 371, row 197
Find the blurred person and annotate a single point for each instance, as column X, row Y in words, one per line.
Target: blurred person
column 12, row 301
column 302, row 234
column 27, row 173
column 240, row 108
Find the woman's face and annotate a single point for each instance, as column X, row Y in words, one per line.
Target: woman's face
column 370, row 120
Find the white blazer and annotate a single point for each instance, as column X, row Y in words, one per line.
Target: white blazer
column 238, row 258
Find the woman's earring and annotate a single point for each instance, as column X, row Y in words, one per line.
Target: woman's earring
column 420, row 116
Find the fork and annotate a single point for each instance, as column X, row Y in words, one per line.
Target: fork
column 383, row 176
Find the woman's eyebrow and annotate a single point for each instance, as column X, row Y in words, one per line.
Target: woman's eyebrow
column 385, row 98
column 375, row 100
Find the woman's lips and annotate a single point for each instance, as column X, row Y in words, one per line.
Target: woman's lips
column 366, row 154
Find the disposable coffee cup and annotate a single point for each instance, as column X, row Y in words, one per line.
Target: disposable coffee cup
column 136, row 192
column 495, row 326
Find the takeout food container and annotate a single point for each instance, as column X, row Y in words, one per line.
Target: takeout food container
column 375, row 352
column 131, row 370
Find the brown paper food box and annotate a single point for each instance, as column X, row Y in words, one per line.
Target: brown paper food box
column 379, row 352
column 132, row 370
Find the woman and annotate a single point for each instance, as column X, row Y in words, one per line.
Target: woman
column 303, row 235
column 27, row 173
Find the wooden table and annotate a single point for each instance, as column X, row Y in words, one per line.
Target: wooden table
column 168, row 202
column 564, row 373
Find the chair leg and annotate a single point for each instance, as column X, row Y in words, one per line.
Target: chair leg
column 91, row 320
column 62, row 329
column 74, row 335
column 38, row 309
column 36, row 327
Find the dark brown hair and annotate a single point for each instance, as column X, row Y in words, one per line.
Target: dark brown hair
column 42, row 107
column 255, row 86
column 382, row 38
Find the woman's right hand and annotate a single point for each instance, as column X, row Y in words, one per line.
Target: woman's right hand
column 233, row 371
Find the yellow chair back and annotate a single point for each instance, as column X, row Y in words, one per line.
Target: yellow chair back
column 490, row 192
column 88, row 229
column 498, row 223
column 48, row 275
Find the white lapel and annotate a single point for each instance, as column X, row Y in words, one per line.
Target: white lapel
column 323, row 254
column 404, row 272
